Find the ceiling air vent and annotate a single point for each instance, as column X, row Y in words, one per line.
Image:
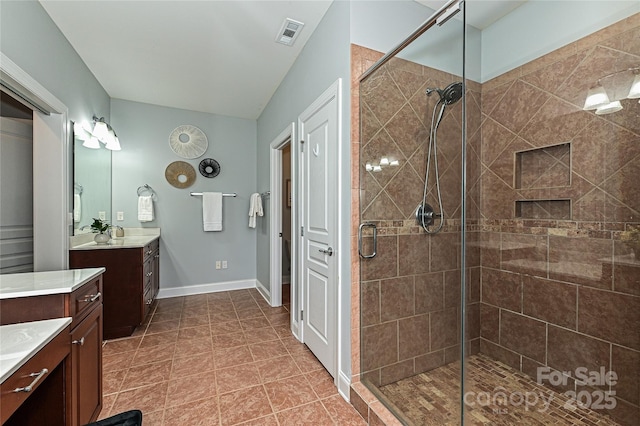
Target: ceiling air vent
column 289, row 31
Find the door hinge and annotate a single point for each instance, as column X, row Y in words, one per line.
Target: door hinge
column 302, row 231
column 302, row 145
column 301, row 315
column 280, row 234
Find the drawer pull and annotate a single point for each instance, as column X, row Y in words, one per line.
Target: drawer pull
column 149, row 302
column 149, row 251
column 37, row 376
column 79, row 342
column 156, row 256
column 149, row 273
column 92, row 297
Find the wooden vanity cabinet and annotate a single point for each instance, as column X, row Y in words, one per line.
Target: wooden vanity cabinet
column 131, row 284
column 46, row 398
column 86, row 368
column 82, row 371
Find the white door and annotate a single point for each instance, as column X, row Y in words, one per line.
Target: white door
column 319, row 135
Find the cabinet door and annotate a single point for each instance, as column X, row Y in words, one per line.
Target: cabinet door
column 86, row 368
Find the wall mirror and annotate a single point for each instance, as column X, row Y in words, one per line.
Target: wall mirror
column 91, row 185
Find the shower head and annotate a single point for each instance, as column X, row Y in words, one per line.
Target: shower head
column 452, row 93
column 449, row 95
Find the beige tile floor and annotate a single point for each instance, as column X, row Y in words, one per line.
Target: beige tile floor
column 223, row 358
column 433, row 398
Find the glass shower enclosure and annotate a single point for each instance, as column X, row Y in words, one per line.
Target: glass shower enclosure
column 499, row 217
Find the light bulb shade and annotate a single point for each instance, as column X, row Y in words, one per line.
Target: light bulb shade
column 100, row 131
column 80, row 132
column 114, row 145
column 384, row 161
column 110, row 137
column 92, row 143
column 609, row 108
column 596, row 97
column 634, row 92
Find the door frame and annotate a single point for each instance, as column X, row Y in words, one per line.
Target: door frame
column 51, row 189
column 286, row 137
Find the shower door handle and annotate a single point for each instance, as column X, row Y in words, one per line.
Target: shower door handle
column 375, row 239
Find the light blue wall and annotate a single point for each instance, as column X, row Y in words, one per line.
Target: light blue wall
column 29, row 38
column 323, row 60
column 188, row 254
column 539, row 27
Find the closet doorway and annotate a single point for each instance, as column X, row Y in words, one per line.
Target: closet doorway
column 282, row 212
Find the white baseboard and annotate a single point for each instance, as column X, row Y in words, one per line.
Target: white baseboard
column 344, row 385
column 263, row 291
column 206, row 288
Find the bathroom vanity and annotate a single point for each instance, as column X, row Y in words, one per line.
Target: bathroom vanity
column 131, row 280
column 52, row 364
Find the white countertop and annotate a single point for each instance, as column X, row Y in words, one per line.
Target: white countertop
column 42, row 283
column 22, row 341
column 133, row 238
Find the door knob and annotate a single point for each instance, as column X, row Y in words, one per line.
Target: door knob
column 328, row 251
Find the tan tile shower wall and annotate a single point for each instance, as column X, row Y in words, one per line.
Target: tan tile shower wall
column 410, row 293
column 564, row 293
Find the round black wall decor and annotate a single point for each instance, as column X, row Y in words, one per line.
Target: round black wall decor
column 209, row 168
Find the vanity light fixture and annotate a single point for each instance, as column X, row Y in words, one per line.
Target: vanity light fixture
column 101, row 132
column 596, row 97
column 609, row 108
column 634, row 92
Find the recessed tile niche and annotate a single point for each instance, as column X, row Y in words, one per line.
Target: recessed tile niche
column 548, row 167
column 544, row 168
column 544, row 209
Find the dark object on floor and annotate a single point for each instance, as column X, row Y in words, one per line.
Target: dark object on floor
column 128, row 418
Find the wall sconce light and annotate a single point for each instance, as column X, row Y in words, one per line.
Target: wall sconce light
column 100, row 132
column 634, row 92
column 598, row 99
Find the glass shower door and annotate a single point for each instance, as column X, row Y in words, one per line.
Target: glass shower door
column 411, row 217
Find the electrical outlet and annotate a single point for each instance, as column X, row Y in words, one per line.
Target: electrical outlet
column 224, row 264
column 217, row 264
column 120, row 215
column 102, row 215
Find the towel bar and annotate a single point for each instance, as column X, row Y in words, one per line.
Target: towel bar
column 199, row 194
column 146, row 188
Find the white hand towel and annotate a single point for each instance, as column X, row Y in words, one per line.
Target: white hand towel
column 255, row 209
column 77, row 208
column 145, row 208
column 212, row 211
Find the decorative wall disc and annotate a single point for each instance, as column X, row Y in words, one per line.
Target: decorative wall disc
column 188, row 141
column 209, row 168
column 180, row 174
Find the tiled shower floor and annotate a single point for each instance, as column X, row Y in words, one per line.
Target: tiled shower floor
column 220, row 359
column 433, row 398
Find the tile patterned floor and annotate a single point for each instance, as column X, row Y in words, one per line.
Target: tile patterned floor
column 432, row 398
column 223, row 358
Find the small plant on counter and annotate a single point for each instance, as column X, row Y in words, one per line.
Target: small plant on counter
column 631, row 237
column 100, row 226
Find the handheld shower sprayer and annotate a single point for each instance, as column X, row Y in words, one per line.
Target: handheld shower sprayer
column 425, row 214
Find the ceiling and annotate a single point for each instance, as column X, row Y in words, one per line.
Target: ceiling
column 218, row 57
column 211, row 56
column 485, row 12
